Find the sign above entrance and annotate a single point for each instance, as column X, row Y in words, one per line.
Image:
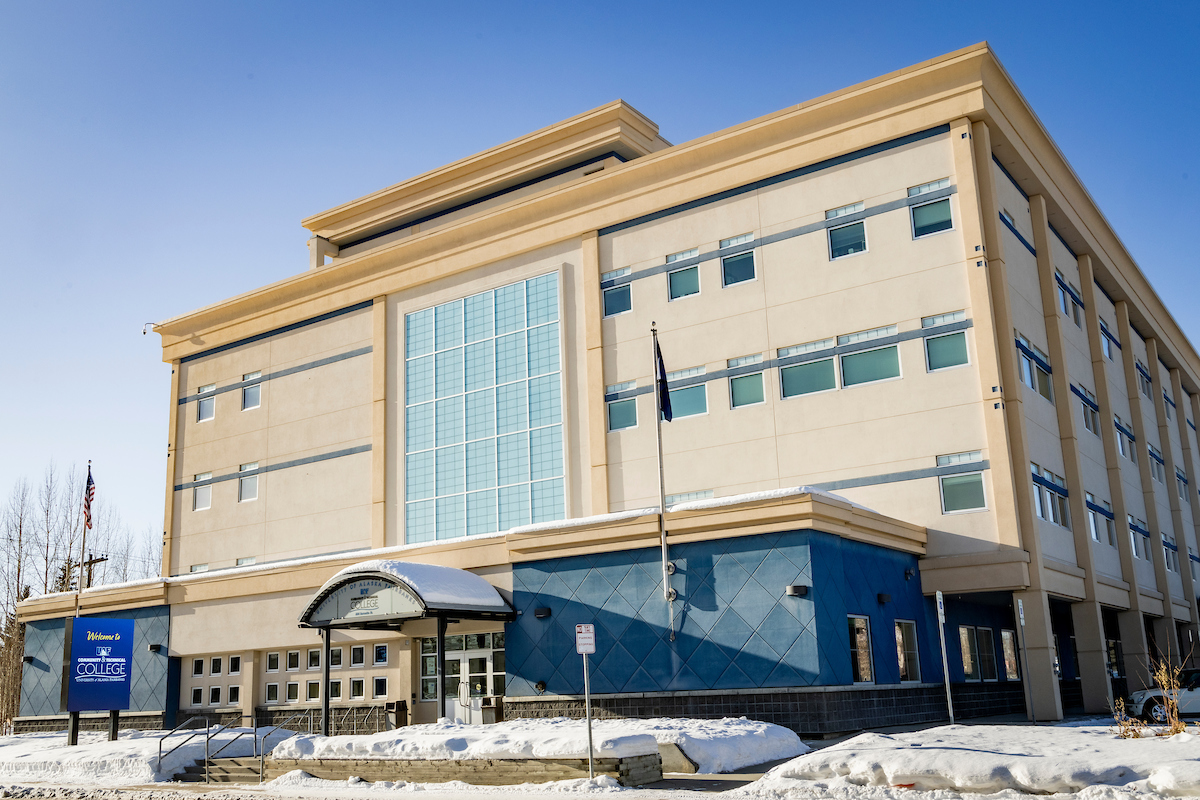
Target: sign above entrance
column 365, row 600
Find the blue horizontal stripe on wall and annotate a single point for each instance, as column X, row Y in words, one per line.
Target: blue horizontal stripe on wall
column 785, row 176
column 1108, row 335
column 362, row 351
column 1101, row 510
column 1145, row 372
column 349, row 451
column 1104, row 292
column 1156, row 457
column 275, row 332
column 907, row 475
column 1034, row 357
column 1064, row 242
column 1017, row 234
column 1066, row 287
column 1008, row 175
column 1087, row 401
column 1128, row 433
column 1133, row 526
column 1051, row 485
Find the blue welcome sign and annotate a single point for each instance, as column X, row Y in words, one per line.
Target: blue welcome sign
column 99, row 664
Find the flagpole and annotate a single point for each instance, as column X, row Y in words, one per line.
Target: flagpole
column 667, row 567
column 87, row 523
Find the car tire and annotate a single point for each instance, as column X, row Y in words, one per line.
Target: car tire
column 1154, row 711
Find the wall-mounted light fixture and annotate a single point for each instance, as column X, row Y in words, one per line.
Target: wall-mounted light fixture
column 910, row 573
column 541, row 613
column 27, row 659
column 883, row 598
column 796, row 591
column 540, row 686
column 154, row 648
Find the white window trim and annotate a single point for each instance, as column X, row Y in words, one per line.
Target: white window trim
column 237, row 671
column 310, row 655
column 607, row 418
column 925, row 347
column 196, row 703
column 363, row 693
column 196, row 661
column 361, row 648
column 267, row 693
column 899, row 363
column 629, row 287
column 288, row 691
column 829, row 240
column 375, row 662
column 732, row 378
column 942, row 494
column 699, row 284
column 210, row 696
column 308, row 694
column 912, row 220
column 837, row 378
column 707, row 410
column 287, row 664
column 341, row 658
column 268, row 662
column 374, row 694
column 753, row 260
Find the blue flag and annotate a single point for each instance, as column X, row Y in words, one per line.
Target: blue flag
column 664, row 396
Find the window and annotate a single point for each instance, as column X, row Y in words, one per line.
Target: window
column 1008, row 644
column 1066, row 300
column 689, row 400
column 356, row 688
column 1034, row 367
column 1157, row 470
column 962, row 493
column 483, row 433
column 617, row 300
column 248, row 484
column 870, row 365
column 314, row 659
column 197, row 667
column 314, row 690
column 335, row 658
column 906, row 651
column 968, row 644
column 272, row 692
column 815, row 376
column 251, row 395
column 844, row 211
column 272, row 662
column 860, row 649
column 293, row 660
column 380, row 686
column 931, row 218
column 683, row 282
column 943, row 352
column 214, row 695
column 1143, row 380
column 381, row 654
column 1050, row 496
column 293, row 692
column 1139, row 538
column 246, row 561
column 622, row 414
column 335, row 690
column 235, row 695
column 987, row 654
column 1125, row 439
column 1100, row 523
column 737, row 268
column 235, row 665
column 206, row 407
column 357, row 655
column 198, row 568
column 687, row 497
column 1091, row 413
column 745, row 390
column 847, row 240
column 215, row 666
column 1170, row 553
column 1181, row 484
column 1106, row 344
column 1168, row 405
column 1192, row 563
column 197, row 695
column 683, row 254
column 202, row 495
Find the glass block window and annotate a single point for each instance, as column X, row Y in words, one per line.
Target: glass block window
column 483, row 413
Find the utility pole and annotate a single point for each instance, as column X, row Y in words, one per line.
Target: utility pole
column 91, row 562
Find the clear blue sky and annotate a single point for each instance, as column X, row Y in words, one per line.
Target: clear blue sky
column 156, row 157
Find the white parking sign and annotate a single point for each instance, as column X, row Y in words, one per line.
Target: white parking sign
column 585, row 639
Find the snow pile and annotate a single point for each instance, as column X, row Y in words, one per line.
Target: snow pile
column 716, row 745
column 131, row 760
column 992, row 758
column 521, row 738
column 298, row 779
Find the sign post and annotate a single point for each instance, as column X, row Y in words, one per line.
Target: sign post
column 97, row 669
column 1025, row 662
column 585, row 644
column 941, row 608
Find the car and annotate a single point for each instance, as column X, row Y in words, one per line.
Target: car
column 1149, row 703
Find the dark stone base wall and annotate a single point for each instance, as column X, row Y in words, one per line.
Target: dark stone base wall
column 808, row 713
column 987, row 699
column 141, row 722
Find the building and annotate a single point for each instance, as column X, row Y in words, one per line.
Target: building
column 907, row 354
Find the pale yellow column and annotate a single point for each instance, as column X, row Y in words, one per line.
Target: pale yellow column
column 168, row 543
column 379, row 351
column 593, row 404
column 1182, row 534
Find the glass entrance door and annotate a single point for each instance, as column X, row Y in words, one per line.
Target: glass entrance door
column 474, row 674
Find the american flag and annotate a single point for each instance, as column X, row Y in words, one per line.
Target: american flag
column 88, row 494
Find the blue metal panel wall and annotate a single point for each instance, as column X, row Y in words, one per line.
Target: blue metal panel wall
column 41, row 680
column 962, row 612
column 735, row 627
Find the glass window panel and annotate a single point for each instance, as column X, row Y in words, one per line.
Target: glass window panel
column 450, row 420
column 498, row 643
column 481, row 512
column 969, row 648
column 545, row 402
column 481, row 464
column 931, row 218
column 514, row 506
column 736, row 269
column 419, row 476
column 429, row 689
column 418, row 380
column 511, row 409
column 477, row 317
column 419, row 522
column 451, row 517
column 946, row 351
column 545, row 453
column 251, row 396
column 481, row 414
column 448, row 325
column 510, row 308
column 548, row 500
column 860, row 650
column 512, row 459
column 453, row 644
column 449, row 372
column 498, row 684
column 746, row 390
column 543, row 349
column 451, row 470
column 962, row 492
column 906, row 651
column 688, row 401
column 622, row 414
column 479, row 641
column 205, row 408
column 987, row 654
column 429, row 646
column 202, row 498
column 816, row 376
column 873, row 365
column 480, row 365
column 418, row 427
column 683, row 282
column 1008, row 640
column 847, row 240
column 418, row 333
column 542, row 294
column 510, row 358
column 617, row 300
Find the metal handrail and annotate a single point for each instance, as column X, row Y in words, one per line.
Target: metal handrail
column 250, row 733
column 262, row 749
column 177, row 729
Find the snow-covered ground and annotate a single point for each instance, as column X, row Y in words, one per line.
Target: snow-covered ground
column 718, row 745
column 1087, row 759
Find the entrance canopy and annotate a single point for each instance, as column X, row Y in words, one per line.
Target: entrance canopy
column 382, row 594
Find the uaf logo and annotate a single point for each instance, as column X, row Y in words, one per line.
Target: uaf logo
column 103, row 651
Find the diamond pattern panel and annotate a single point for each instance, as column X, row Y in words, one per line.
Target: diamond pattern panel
column 734, row 626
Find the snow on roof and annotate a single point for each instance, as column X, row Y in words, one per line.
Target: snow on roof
column 770, row 494
column 437, row 586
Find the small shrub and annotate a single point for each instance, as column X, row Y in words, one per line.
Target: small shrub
column 1166, row 675
column 1127, row 727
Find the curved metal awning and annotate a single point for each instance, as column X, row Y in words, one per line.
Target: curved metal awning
column 383, row 593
